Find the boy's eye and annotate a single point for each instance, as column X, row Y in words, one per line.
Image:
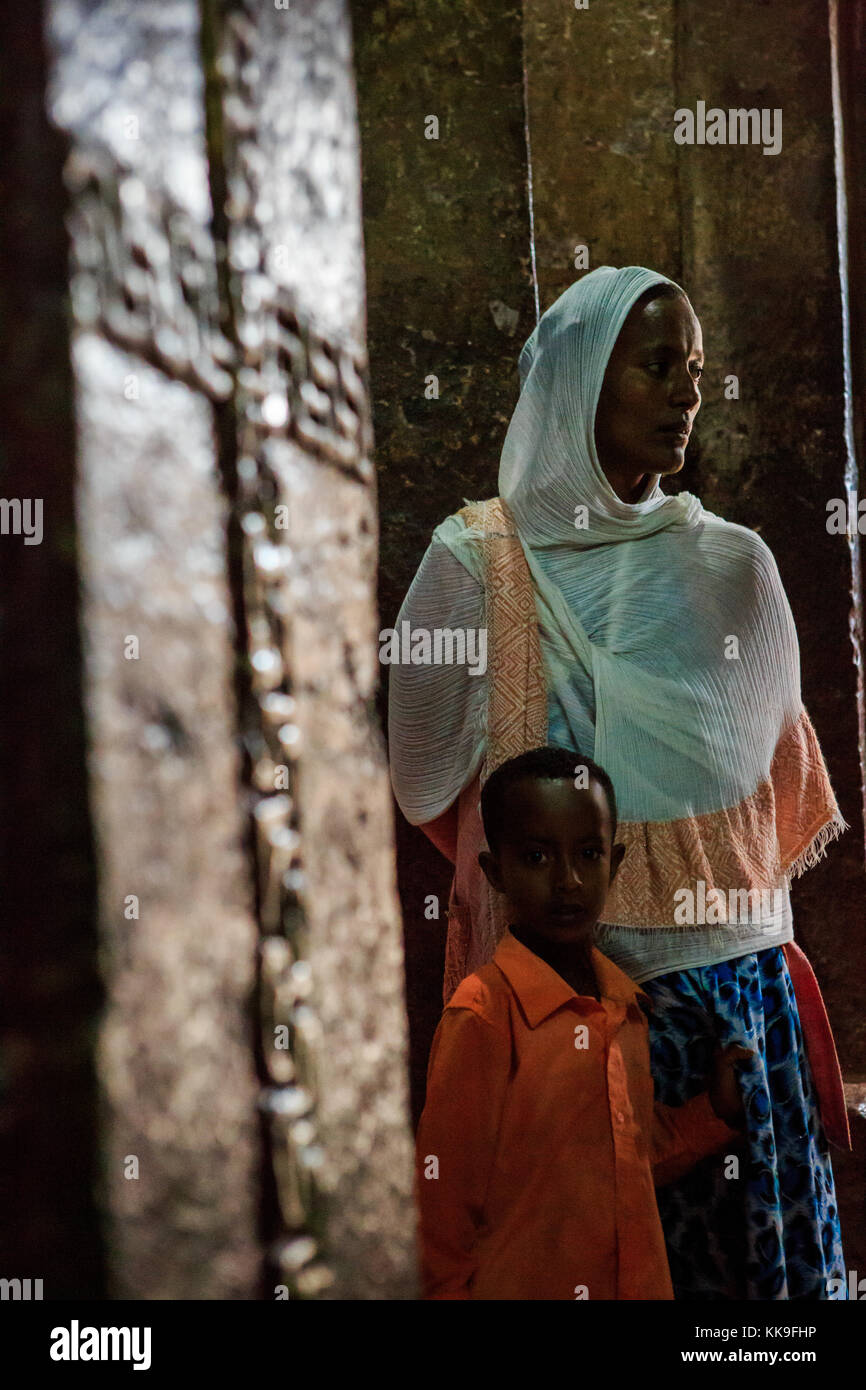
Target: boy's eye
column 535, row 856
column 592, row 852
column 697, row 371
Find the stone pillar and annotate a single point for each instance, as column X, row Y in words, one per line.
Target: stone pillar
column 179, row 1144
column 848, row 32
column 334, row 973
column 605, row 173
column 49, row 983
column 450, row 303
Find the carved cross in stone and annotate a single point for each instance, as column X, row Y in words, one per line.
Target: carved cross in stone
column 201, row 306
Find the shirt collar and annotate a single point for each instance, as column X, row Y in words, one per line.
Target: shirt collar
column 540, row 990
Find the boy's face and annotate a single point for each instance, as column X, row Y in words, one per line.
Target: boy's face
column 555, row 861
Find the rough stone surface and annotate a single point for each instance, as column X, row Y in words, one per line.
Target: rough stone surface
column 50, row 990
column 346, row 828
column 604, row 165
column 449, row 293
column 176, row 1043
column 447, row 247
column 307, row 221
column 177, row 1079
column 849, row 22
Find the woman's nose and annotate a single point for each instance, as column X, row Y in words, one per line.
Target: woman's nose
column 686, row 391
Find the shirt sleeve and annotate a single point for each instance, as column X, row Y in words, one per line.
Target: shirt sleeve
column 470, row 1063
column 684, row 1134
column 437, row 713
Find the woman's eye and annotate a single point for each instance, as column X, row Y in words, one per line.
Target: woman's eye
column 656, row 367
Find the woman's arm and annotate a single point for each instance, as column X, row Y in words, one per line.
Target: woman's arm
column 437, row 709
column 684, row 1134
column 443, row 832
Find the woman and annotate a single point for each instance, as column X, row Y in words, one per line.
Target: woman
column 656, row 637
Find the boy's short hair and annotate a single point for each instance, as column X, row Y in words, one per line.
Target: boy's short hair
column 546, row 764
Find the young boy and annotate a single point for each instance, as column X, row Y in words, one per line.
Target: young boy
column 540, row 1142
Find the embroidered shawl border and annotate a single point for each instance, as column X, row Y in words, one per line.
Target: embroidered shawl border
column 783, row 828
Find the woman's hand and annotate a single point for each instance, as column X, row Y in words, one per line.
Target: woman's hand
column 724, row 1087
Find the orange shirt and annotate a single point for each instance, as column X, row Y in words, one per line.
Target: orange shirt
column 540, row 1141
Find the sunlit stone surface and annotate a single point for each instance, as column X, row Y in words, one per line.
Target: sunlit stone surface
column 175, row 1056
column 220, row 378
column 181, row 1154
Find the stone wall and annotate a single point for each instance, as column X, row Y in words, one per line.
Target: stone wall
column 449, row 294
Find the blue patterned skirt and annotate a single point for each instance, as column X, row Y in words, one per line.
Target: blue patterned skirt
column 771, row 1229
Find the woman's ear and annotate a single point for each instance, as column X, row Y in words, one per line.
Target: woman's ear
column 492, row 872
column 617, row 853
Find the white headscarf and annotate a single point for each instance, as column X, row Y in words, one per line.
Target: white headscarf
column 549, row 464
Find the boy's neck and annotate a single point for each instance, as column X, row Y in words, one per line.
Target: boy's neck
column 570, row 959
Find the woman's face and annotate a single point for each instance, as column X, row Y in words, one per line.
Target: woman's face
column 649, row 397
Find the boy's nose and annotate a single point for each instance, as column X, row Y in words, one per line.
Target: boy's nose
column 568, row 877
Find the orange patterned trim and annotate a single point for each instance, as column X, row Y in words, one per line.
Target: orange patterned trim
column 516, row 721
column 517, row 692
column 806, row 814
column 781, row 829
